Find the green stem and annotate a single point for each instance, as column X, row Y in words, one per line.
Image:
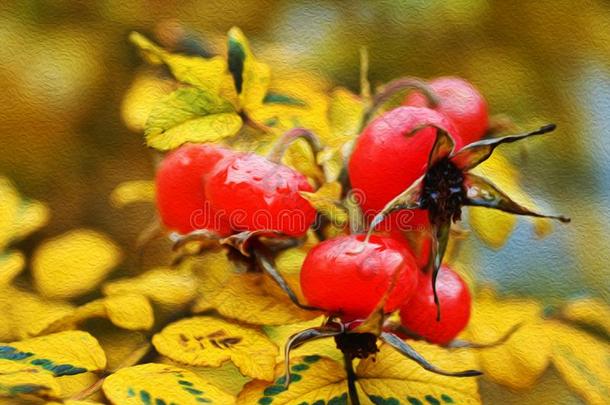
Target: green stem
column 351, row 380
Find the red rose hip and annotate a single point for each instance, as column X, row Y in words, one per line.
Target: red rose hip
column 418, row 314
column 389, row 157
column 461, row 102
column 257, row 194
column 180, row 188
column 348, row 277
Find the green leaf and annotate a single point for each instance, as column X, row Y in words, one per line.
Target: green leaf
column 149, row 384
column 190, row 115
column 204, row 73
column 251, row 77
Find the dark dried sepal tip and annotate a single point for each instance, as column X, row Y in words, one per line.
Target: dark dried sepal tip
column 407, row 200
column 406, row 350
column 481, row 192
column 329, row 330
column 266, row 263
column 464, row 344
column 472, row 155
column 440, row 240
column 443, row 145
column 202, row 236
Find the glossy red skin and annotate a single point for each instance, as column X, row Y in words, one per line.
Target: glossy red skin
column 386, row 161
column 257, row 194
column 348, row 277
column 418, row 314
column 180, row 188
column 461, row 102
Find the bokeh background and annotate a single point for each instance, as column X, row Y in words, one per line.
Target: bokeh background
column 65, row 67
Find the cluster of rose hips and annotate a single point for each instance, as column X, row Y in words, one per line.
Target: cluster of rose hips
column 411, row 165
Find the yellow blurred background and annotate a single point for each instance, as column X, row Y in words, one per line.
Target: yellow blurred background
column 65, row 67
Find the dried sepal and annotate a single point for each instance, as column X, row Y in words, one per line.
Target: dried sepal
column 330, row 329
column 406, row 350
column 407, row 200
column 481, row 192
column 267, row 265
column 476, row 153
column 465, row 344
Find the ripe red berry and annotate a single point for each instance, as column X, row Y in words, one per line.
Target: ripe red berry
column 257, row 194
column 386, row 160
column 459, row 101
column 348, row 277
column 180, row 193
column 418, row 314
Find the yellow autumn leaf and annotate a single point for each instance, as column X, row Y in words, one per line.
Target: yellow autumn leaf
column 23, row 314
column 18, row 216
column 332, row 162
column 11, row 264
column 582, row 360
column 24, row 379
column 520, row 361
column 226, row 377
column 591, row 312
column 345, row 116
column 70, row 385
column 315, row 379
column 390, row 376
column 144, row 92
column 74, row 402
column 550, row 389
column 118, row 344
column 281, row 333
column 190, row 114
column 300, row 157
column 73, row 263
column 207, row 341
column 327, row 200
column 213, row 270
column 160, row 383
column 295, row 101
column 289, row 261
column 129, row 311
column 250, row 76
column 247, row 296
column 207, row 74
column 494, row 226
column 163, row 285
column 130, row 192
column 61, row 354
